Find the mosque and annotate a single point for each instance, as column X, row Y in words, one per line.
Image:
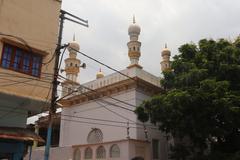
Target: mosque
column 98, row 119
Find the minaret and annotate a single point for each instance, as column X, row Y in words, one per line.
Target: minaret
column 165, row 64
column 72, row 68
column 134, row 45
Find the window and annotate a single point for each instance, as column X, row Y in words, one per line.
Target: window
column 101, row 153
column 77, row 154
column 88, row 153
column 19, row 60
column 114, row 151
column 155, row 148
column 95, row 136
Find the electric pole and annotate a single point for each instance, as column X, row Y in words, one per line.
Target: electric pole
column 54, row 97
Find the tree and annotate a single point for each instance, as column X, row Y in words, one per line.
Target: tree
column 201, row 103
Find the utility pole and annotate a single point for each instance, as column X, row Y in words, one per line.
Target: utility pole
column 54, row 97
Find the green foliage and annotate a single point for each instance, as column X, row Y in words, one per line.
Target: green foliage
column 201, row 102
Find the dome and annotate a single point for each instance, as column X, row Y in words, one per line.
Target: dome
column 166, row 51
column 73, row 45
column 134, row 28
column 100, row 74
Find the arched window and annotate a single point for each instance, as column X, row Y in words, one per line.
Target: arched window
column 114, row 151
column 88, row 153
column 95, row 136
column 71, row 64
column 76, row 154
column 134, row 48
column 101, row 153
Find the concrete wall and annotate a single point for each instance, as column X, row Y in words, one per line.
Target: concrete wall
column 37, row 23
column 128, row 150
column 58, row 153
column 75, row 130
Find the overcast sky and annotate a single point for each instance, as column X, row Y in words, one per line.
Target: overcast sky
column 174, row 22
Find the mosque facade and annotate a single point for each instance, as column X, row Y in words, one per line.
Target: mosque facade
column 98, row 119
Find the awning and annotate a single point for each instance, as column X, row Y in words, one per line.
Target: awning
column 16, row 133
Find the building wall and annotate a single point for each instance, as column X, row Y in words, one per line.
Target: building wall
column 128, row 150
column 37, row 23
column 73, row 132
column 63, row 153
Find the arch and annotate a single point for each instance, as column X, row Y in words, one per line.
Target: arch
column 77, row 154
column 134, row 48
column 71, row 64
column 88, row 154
column 114, row 151
column 95, row 136
column 101, row 153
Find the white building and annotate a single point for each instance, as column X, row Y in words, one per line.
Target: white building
column 98, row 121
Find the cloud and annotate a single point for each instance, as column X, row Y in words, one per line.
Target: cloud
column 162, row 21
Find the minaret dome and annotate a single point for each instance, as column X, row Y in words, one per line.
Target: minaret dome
column 134, row 30
column 73, row 48
column 99, row 74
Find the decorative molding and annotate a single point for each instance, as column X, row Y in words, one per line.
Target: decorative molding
column 138, row 84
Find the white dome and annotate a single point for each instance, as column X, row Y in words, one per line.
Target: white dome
column 74, row 45
column 134, row 29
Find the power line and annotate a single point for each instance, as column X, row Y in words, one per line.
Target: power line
column 110, row 103
column 104, row 124
column 25, row 77
column 104, row 106
column 92, row 90
column 103, row 64
column 101, row 106
column 26, row 83
column 105, row 120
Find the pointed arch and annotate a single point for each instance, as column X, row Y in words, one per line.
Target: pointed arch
column 88, row 154
column 101, row 153
column 77, row 154
column 114, row 151
column 95, row 136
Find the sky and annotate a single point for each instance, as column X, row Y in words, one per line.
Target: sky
column 174, row 22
